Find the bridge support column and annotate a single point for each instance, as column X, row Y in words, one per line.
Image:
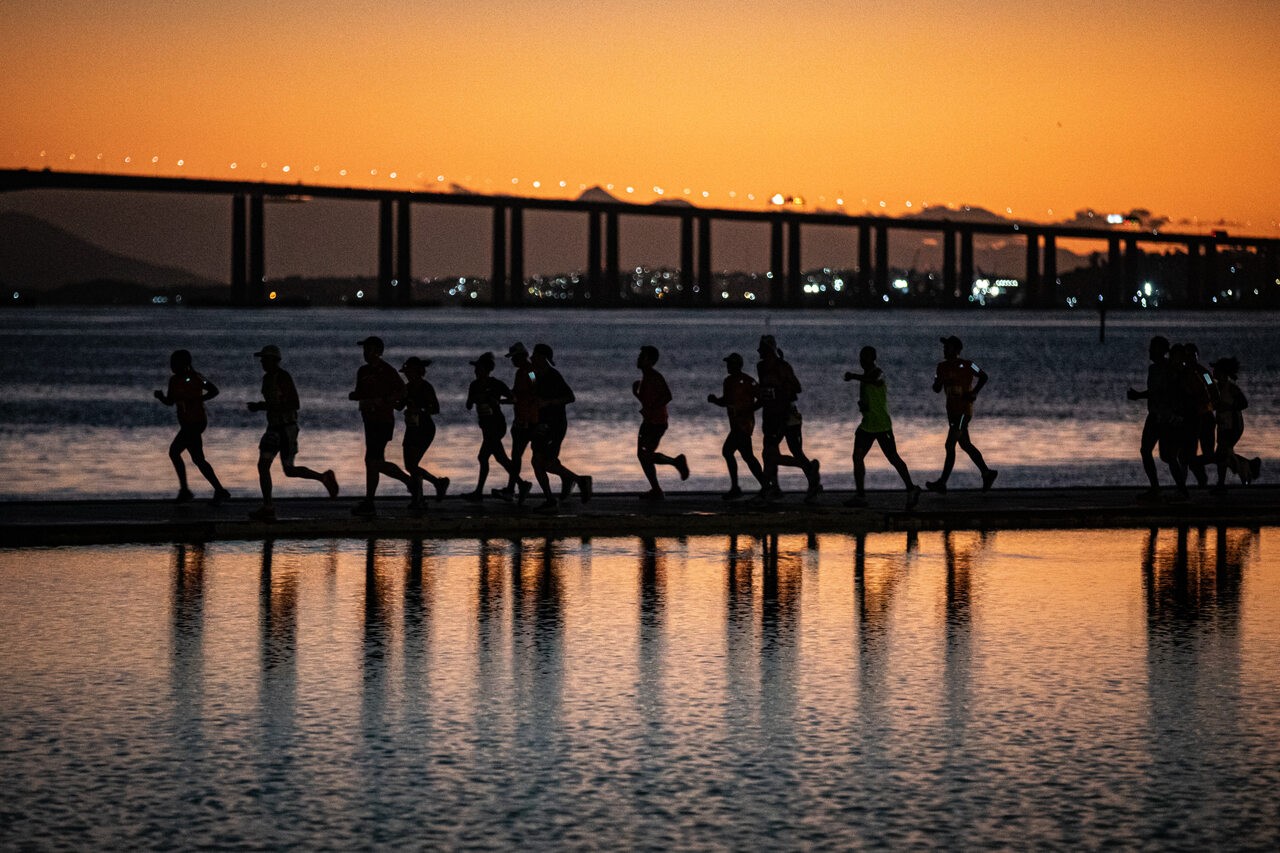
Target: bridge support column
column 1115, row 272
column 882, row 259
column 386, row 234
column 612, row 261
column 404, row 254
column 795, row 284
column 1050, row 281
column 1210, row 271
column 595, row 275
column 517, row 291
column 705, row 279
column 257, row 252
column 239, row 258
column 1195, row 275
column 965, row 285
column 949, row 260
column 864, row 262
column 1034, row 297
column 777, row 291
column 1130, row 268
column 687, row 275
column 498, row 262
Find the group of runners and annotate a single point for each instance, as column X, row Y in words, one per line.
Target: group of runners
column 1195, row 418
column 1190, row 408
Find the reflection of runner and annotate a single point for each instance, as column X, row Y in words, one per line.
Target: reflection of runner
column 420, row 408
column 961, row 379
column 780, row 419
column 487, row 394
column 739, row 401
column 378, row 390
column 553, row 395
column 1201, row 436
column 187, row 392
column 524, row 419
column 280, row 402
column 876, row 428
column 652, row 392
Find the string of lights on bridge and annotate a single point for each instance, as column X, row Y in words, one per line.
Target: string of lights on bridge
column 425, row 181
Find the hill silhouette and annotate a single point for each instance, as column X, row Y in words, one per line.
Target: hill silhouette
column 41, row 258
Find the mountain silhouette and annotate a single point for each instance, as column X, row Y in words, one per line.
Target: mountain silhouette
column 38, row 257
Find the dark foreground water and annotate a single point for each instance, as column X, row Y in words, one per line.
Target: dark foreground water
column 1066, row 690
column 77, row 416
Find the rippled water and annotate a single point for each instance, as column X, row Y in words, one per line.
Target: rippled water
column 77, row 417
column 951, row 690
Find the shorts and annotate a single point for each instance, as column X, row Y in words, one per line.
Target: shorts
column 548, row 438
column 421, row 435
column 379, row 433
column 492, row 428
column 190, row 437
column 773, row 425
column 650, row 436
column 282, row 440
column 959, row 421
column 522, row 432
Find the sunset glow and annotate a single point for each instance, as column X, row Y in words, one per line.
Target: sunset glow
column 1037, row 108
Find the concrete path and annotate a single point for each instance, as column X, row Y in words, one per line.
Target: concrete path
column 89, row 522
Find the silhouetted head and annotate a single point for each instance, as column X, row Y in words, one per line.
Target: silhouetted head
column 951, row 346
column 518, row 354
column 180, row 360
column 485, row 364
column 1178, row 354
column 269, row 356
column 415, row 367
column 867, row 357
column 543, row 354
column 768, row 347
column 648, row 357
column 734, row 362
column 373, row 348
column 1226, row 368
column 1193, row 351
column 1159, row 347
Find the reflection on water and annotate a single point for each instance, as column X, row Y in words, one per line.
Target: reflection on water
column 954, row 689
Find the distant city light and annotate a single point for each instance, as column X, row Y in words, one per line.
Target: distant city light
column 284, row 168
column 1114, row 219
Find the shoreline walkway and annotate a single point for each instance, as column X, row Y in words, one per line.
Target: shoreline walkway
column 102, row 522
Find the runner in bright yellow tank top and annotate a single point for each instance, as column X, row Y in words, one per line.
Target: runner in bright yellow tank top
column 876, row 428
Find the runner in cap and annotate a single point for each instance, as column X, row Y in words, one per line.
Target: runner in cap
column 524, row 420
column 739, row 400
column 553, row 395
column 280, row 402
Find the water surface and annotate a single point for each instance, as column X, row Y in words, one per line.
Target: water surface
column 947, row 690
column 77, row 417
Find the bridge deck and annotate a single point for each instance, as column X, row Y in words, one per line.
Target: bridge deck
column 85, row 522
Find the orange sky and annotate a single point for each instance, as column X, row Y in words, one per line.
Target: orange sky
column 1035, row 106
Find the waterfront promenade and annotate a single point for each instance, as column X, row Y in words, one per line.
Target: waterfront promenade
column 95, row 522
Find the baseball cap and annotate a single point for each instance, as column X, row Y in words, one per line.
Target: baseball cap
column 952, row 340
column 545, row 351
column 516, row 349
column 269, row 351
column 414, row 363
column 486, row 359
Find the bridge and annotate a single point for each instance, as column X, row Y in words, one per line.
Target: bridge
column 395, row 261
